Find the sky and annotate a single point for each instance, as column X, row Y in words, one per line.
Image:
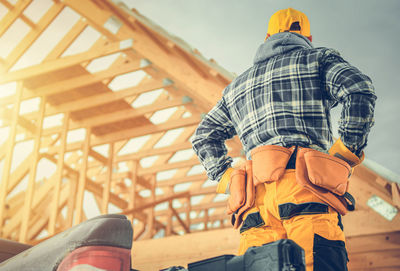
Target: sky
column 365, row 32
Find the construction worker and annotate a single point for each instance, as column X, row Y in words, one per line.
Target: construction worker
column 280, row 108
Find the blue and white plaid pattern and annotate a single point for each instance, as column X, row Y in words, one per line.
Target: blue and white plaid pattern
column 285, row 101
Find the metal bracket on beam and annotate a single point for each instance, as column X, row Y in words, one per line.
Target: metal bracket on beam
column 125, row 44
column 113, row 24
column 144, row 62
column 167, row 82
column 186, row 100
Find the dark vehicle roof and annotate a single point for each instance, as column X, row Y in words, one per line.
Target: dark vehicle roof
column 106, row 230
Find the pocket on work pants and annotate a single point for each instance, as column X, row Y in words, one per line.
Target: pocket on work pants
column 255, row 216
column 329, row 255
column 317, row 233
column 259, row 226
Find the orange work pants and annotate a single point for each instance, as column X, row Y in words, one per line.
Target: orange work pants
column 285, row 210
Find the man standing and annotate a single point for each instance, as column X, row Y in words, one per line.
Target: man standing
column 280, row 108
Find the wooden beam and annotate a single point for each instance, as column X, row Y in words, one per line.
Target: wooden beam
column 106, row 97
column 375, row 260
column 181, row 250
column 99, row 157
column 203, row 191
column 13, row 14
column 38, row 219
column 41, row 192
column 374, row 242
column 82, row 179
column 155, row 202
column 138, row 233
column 197, row 208
column 396, row 194
column 150, row 212
column 8, row 158
column 122, row 175
column 168, row 229
column 3, row 150
column 59, row 174
column 188, row 210
column 209, row 90
column 186, row 163
column 124, row 114
column 366, row 176
column 71, row 201
column 212, row 218
column 67, row 40
column 107, row 183
column 149, row 152
column 97, row 190
column 184, row 179
column 5, row 114
column 367, row 221
column 133, row 188
column 62, row 63
column 145, row 130
column 28, row 40
column 32, row 174
column 181, row 222
column 42, row 213
column 80, row 81
column 19, row 173
column 131, row 133
column 376, row 252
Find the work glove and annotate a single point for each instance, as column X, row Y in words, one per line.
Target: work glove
column 224, row 182
column 339, row 150
column 233, row 183
column 238, row 183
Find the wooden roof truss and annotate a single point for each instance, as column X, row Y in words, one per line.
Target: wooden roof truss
column 108, row 123
column 97, row 106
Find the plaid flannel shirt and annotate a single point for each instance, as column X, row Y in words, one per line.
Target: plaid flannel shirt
column 286, row 100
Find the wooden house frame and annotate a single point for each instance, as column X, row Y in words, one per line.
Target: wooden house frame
column 110, row 129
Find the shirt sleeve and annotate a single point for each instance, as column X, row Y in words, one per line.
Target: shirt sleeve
column 209, row 141
column 345, row 84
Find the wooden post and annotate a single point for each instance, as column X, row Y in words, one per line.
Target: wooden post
column 137, row 234
column 107, row 183
column 59, row 177
column 73, row 185
column 188, row 210
column 168, row 230
column 9, row 152
column 150, row 212
column 32, row 174
column 82, row 179
column 206, row 218
column 132, row 198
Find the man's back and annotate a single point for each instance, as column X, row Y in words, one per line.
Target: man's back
column 278, row 101
column 285, row 99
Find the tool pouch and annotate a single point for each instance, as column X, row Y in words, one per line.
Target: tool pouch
column 250, row 196
column 327, row 171
column 326, row 177
column 269, row 162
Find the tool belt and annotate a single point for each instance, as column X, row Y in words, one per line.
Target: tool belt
column 324, row 175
